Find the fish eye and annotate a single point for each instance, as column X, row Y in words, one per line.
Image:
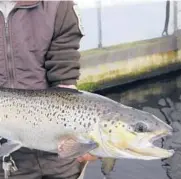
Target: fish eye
column 140, row 127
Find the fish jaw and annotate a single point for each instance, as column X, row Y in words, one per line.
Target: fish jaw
column 142, row 147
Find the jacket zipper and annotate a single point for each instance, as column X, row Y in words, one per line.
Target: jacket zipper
column 8, row 51
column 8, row 48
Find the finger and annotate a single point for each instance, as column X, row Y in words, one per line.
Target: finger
column 86, row 157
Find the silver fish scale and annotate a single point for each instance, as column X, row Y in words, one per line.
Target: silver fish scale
column 35, row 112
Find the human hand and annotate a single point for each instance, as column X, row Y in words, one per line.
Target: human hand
column 68, row 86
column 87, row 157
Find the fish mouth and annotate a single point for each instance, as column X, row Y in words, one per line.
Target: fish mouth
column 158, row 136
column 147, row 149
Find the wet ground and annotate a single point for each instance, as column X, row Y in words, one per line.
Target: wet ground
column 162, row 97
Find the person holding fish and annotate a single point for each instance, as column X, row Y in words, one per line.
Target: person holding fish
column 47, row 129
column 39, row 42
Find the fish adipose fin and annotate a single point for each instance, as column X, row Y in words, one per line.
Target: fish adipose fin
column 7, row 148
column 71, row 147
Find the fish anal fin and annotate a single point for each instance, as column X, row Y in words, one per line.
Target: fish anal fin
column 71, row 147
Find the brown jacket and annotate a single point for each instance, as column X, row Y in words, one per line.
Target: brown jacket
column 39, row 45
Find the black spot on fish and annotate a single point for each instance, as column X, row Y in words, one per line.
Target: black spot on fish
column 80, row 123
column 63, row 111
column 84, row 125
column 110, row 131
column 94, row 119
column 89, row 124
column 112, row 122
column 54, row 113
column 65, row 125
column 74, row 128
column 105, row 125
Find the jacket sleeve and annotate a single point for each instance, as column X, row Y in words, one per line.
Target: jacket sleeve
column 62, row 59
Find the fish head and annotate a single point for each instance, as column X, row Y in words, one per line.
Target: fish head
column 131, row 133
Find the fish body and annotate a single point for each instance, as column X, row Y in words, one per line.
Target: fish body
column 39, row 118
column 72, row 122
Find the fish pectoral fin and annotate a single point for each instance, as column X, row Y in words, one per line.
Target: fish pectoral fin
column 107, row 166
column 71, row 147
column 9, row 147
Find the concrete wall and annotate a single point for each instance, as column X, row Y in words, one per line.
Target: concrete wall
column 104, row 68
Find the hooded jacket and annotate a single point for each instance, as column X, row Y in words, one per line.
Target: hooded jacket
column 39, row 42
